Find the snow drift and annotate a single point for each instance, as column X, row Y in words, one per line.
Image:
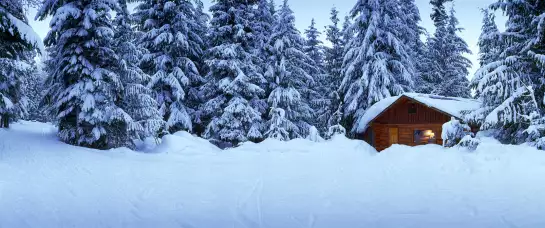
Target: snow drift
column 187, row 182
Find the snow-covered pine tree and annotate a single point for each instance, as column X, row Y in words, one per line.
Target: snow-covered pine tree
column 412, row 37
column 272, row 8
column 83, row 87
column 511, row 88
column 264, row 22
column 288, row 75
column 334, row 54
column 347, row 33
column 377, row 64
column 489, row 40
column 137, row 98
column 315, row 93
column 455, row 71
column 32, row 88
column 329, row 84
column 433, row 61
column 313, row 45
column 489, row 51
column 263, row 25
column 233, row 80
column 171, row 36
column 17, row 40
column 445, row 68
column 196, row 98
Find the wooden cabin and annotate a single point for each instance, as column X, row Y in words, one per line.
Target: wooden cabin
column 411, row 119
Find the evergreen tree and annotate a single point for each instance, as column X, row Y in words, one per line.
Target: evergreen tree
column 489, row 40
column 313, row 46
column 196, row 98
column 316, row 92
column 412, row 36
column 489, row 46
column 332, row 80
column 445, row 68
column 17, row 40
column 233, row 80
column 137, row 98
column 264, row 22
column 334, row 54
column 288, row 75
column 511, row 88
column 84, row 88
column 454, row 73
column 172, row 38
column 347, row 33
column 377, row 64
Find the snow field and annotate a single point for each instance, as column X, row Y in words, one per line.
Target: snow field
column 187, row 182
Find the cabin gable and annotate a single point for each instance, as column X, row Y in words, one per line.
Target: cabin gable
column 409, row 111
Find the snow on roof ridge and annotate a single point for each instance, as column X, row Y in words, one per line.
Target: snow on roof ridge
column 453, row 106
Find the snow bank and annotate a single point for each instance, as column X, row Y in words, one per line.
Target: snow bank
column 339, row 183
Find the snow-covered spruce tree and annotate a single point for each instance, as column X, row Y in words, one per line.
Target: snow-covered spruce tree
column 347, row 33
column 263, row 25
column 511, row 88
column 264, row 21
column 83, row 88
column 433, row 61
column 233, row 79
column 377, row 64
column 289, row 76
column 489, row 40
column 196, row 98
column 202, row 19
column 315, row 93
column 171, row 36
column 412, row 36
column 137, row 98
column 490, row 48
column 32, row 88
column 17, row 40
column 445, row 68
column 334, row 54
column 330, row 82
column 313, row 45
column 455, row 71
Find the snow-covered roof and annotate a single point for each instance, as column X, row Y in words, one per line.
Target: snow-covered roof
column 453, row 106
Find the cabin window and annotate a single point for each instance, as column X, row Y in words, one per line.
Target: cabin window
column 412, row 108
column 424, row 136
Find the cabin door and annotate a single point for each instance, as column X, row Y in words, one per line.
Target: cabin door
column 394, row 136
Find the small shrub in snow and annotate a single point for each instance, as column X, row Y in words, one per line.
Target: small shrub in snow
column 314, row 135
column 469, row 142
column 453, row 132
column 278, row 125
column 336, row 130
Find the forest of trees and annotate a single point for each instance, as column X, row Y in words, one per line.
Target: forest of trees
column 110, row 76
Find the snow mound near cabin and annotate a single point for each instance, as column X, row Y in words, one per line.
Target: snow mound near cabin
column 185, row 182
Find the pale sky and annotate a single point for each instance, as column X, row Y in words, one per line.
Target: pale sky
column 468, row 13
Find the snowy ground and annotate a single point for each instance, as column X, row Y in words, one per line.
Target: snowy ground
column 189, row 183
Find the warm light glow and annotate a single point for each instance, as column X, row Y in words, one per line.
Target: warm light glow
column 429, row 133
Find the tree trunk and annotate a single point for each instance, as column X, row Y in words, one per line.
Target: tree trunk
column 4, row 121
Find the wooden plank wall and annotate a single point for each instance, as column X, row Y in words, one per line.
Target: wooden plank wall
column 405, row 134
column 398, row 113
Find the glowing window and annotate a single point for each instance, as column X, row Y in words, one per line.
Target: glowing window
column 424, row 136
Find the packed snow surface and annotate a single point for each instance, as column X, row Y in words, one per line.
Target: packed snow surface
column 450, row 105
column 186, row 182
